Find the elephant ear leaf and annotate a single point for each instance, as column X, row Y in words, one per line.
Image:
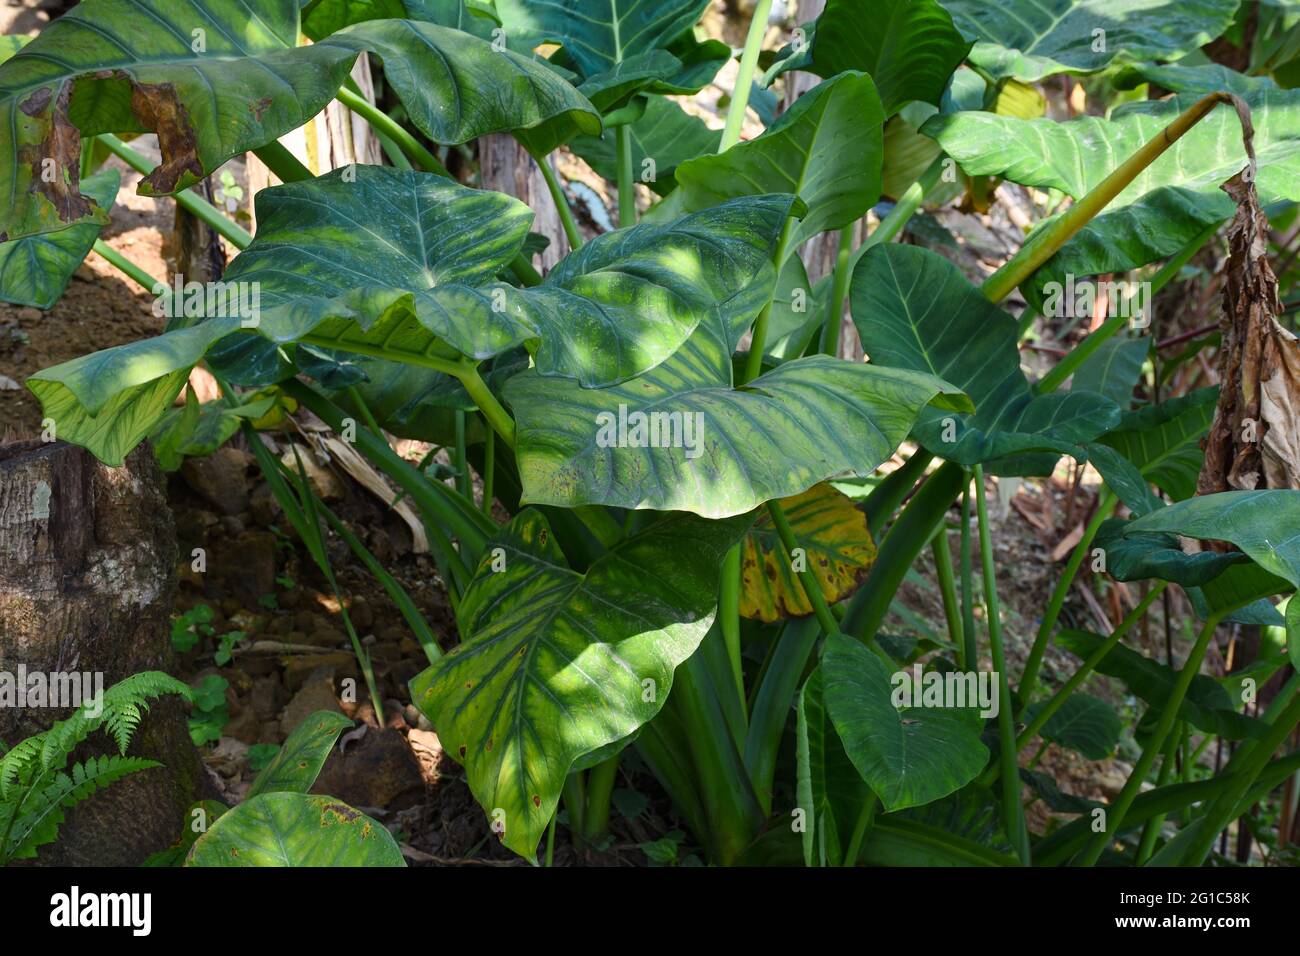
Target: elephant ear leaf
column 457, row 87
column 36, row 270
column 910, row 48
column 295, row 829
column 908, row 757
column 555, row 665
column 1163, row 441
column 1033, row 39
column 913, row 309
column 680, row 438
column 827, row 149
column 213, row 79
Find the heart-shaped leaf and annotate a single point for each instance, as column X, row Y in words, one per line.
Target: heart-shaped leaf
column 1031, row 39
column 680, row 438
column 908, row 757
column 826, row 149
column 554, row 664
column 1113, row 369
column 913, row 309
column 835, row 546
column 910, row 48
column 295, row 829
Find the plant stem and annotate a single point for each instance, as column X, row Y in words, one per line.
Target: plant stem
column 745, row 75
column 550, row 838
column 489, row 471
column 830, row 337
column 394, row 130
column 1013, row 812
column 811, row 586
column 754, row 359
column 626, row 182
column 1151, row 832
column 562, row 201
column 128, row 268
column 1168, row 716
column 187, row 199
column 288, row 167
column 865, row 816
column 600, row 787
column 487, row 403
column 971, row 647
column 903, row 210
column 729, row 617
column 1046, row 243
column 948, row 591
column 460, row 459
column 1035, row 659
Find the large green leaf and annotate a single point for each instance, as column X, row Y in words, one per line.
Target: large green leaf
column 1180, row 190
column 1135, row 557
column 598, row 35
column 915, row 310
column 1263, row 524
column 831, row 793
column 910, row 47
column 135, row 67
column 36, row 269
column 329, row 16
column 1083, row 723
column 665, row 134
column 297, row 764
column 554, row 665
column 1164, row 441
column 457, row 87
column 908, row 757
column 617, row 306
column 827, row 149
column 1207, row 706
column 295, row 829
column 714, row 450
column 1031, row 39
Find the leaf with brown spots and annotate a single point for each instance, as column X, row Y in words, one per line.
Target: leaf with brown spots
column 295, row 829
column 295, row 768
column 837, row 549
column 112, row 66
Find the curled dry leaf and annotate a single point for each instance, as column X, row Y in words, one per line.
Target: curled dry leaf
column 1254, row 441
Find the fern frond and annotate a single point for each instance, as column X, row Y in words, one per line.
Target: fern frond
column 40, row 814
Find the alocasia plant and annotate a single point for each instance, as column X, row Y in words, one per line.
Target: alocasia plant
column 664, row 413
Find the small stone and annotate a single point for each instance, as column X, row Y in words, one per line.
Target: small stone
column 219, row 479
column 262, row 506
column 30, row 314
column 267, row 696
column 317, row 693
column 379, row 770
column 323, row 481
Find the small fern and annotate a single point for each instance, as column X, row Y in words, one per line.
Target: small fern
column 35, row 787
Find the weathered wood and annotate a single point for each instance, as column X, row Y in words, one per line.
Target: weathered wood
column 505, row 166
column 87, row 577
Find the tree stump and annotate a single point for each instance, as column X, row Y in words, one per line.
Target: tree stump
column 87, row 577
